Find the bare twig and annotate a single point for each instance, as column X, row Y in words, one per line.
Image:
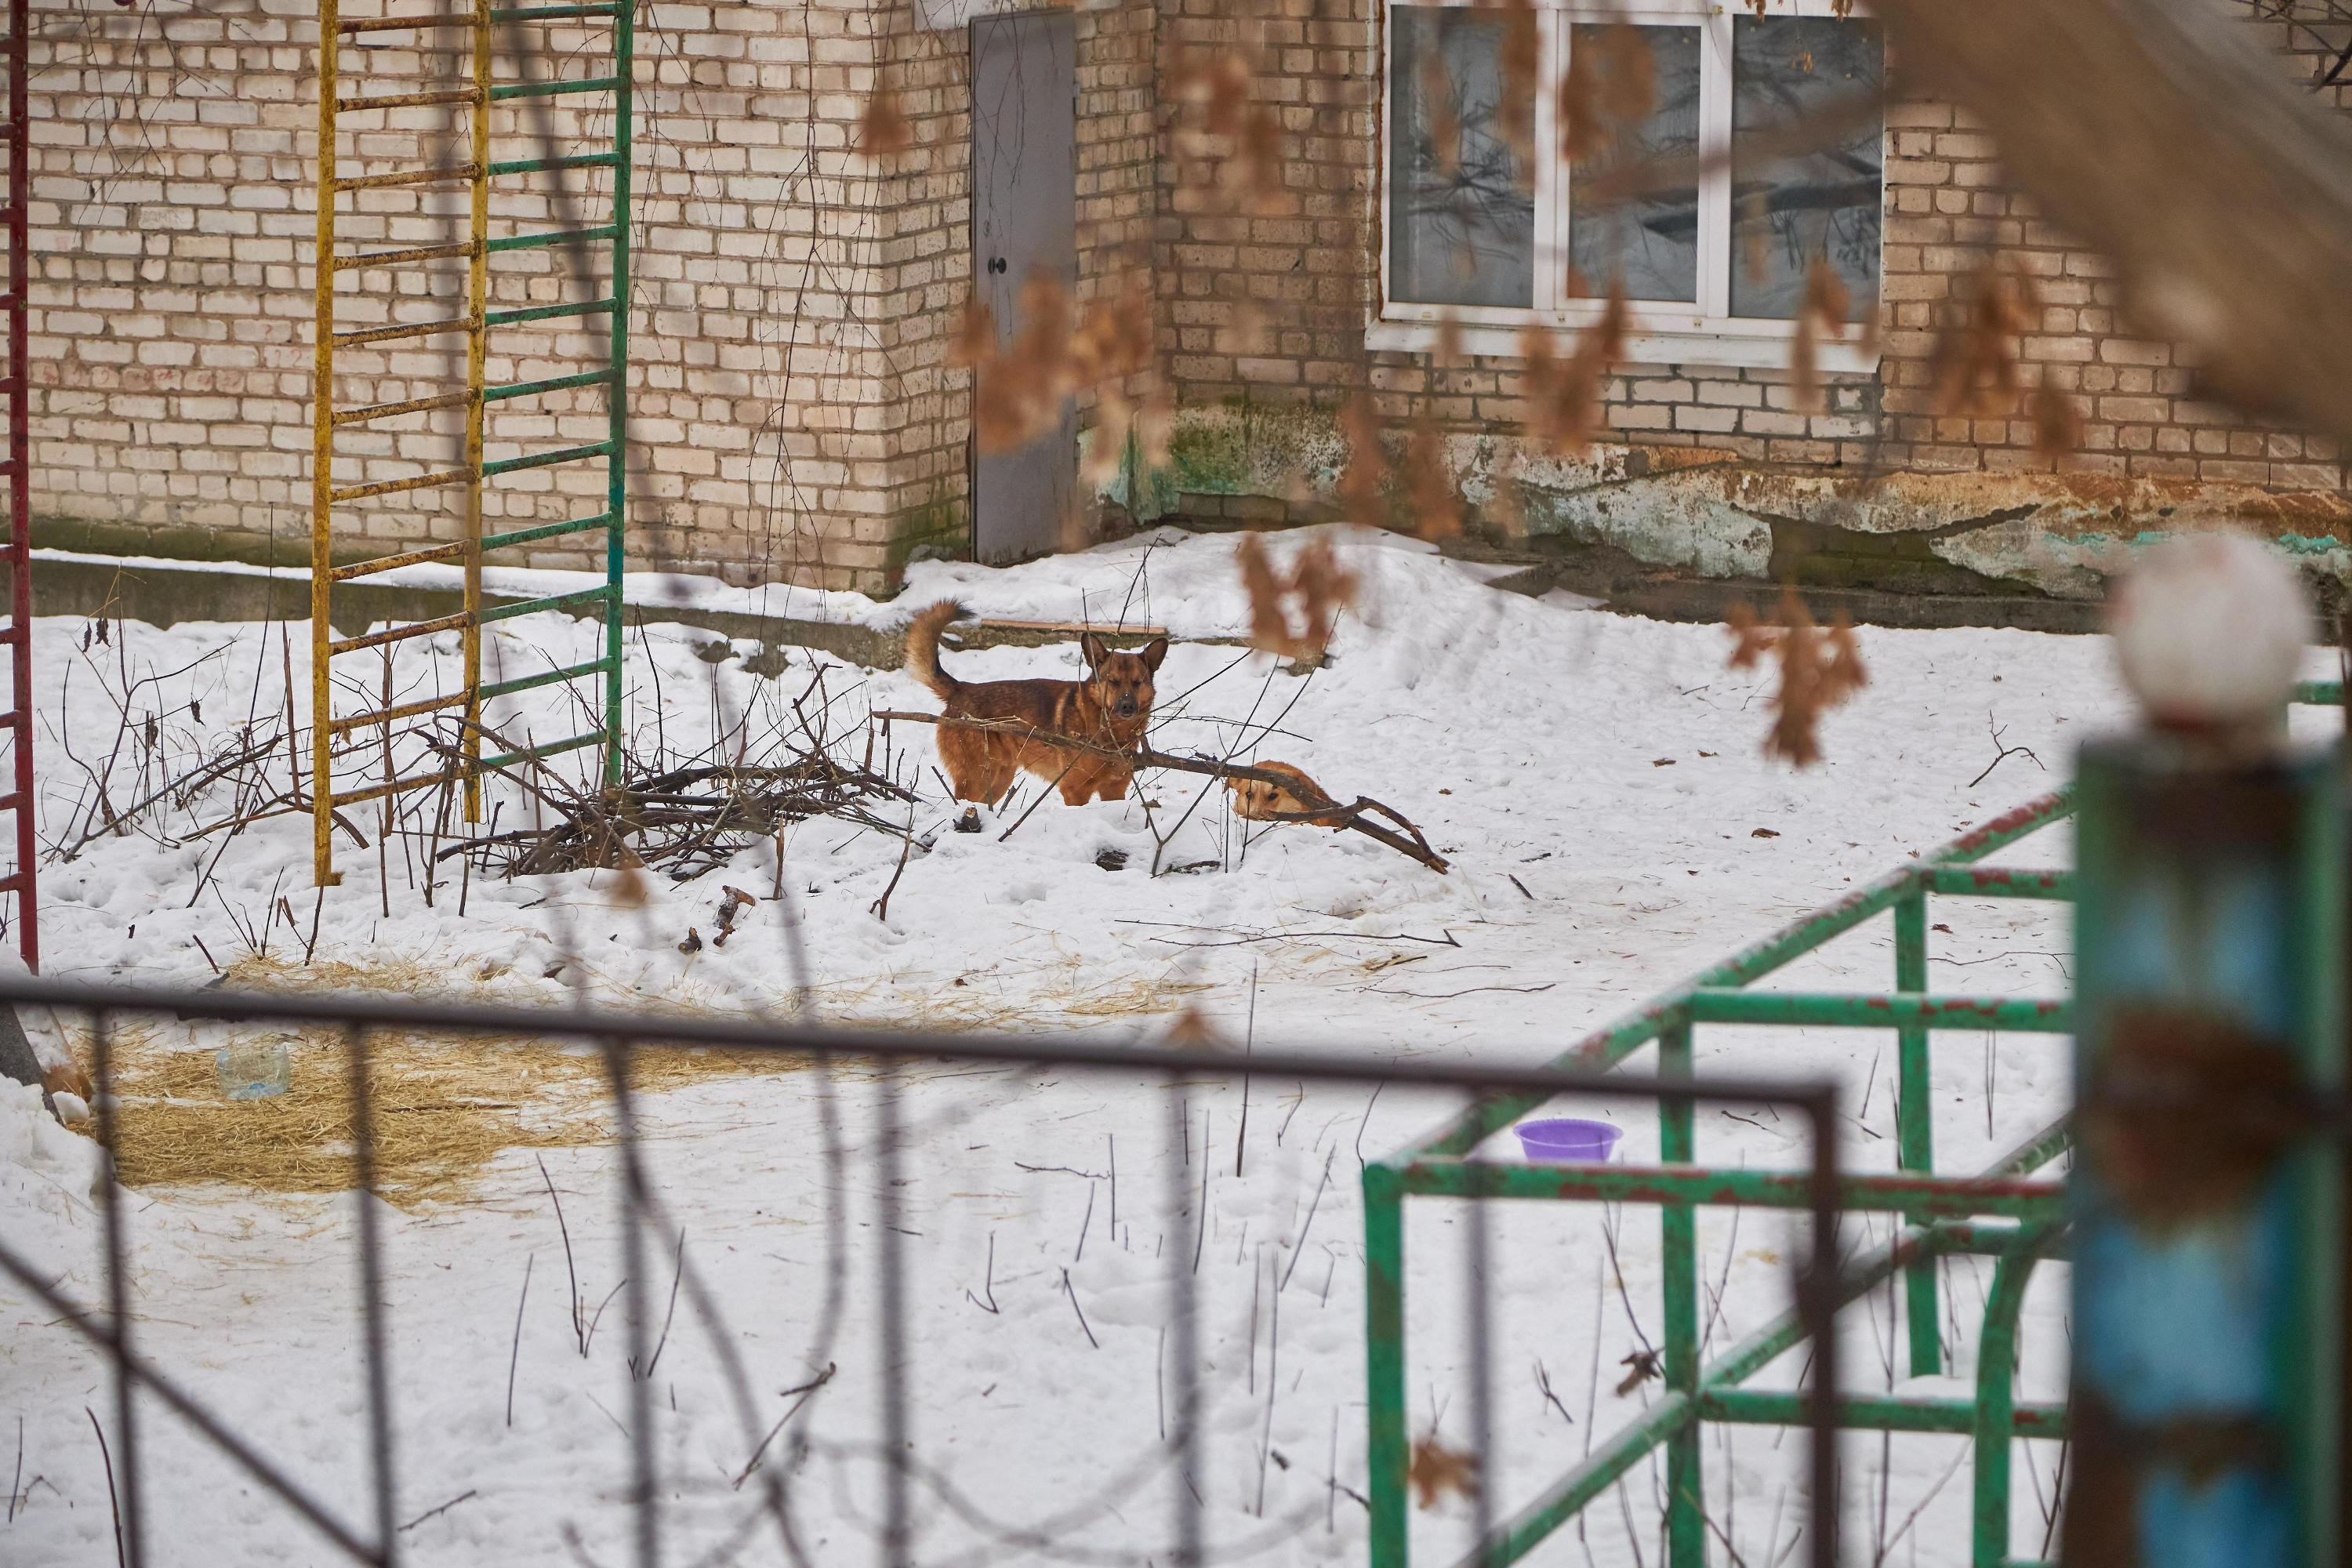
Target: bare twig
column 678, row 1272
column 579, row 1327
column 121, row 1559
column 989, row 1284
column 2001, row 753
column 466, row 1495
column 806, row 1391
column 880, row 908
column 1071, row 1291
column 1300, row 1245
column 1249, row 1044
column 1543, row 1386
column 514, row 1356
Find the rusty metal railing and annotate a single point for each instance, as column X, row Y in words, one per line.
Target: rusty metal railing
column 1821, row 1191
column 1942, row 1214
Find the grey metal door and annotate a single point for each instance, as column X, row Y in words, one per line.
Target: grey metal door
column 1025, row 219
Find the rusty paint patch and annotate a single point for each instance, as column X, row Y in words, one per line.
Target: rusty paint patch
column 1994, row 877
column 2101, row 1524
column 2114, row 1460
column 1989, row 836
column 2186, row 1115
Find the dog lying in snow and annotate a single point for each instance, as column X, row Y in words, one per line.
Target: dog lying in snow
column 1258, row 801
column 1108, row 710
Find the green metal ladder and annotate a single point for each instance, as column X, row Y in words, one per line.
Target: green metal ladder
column 487, row 27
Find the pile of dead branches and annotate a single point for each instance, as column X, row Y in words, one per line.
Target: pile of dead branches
column 680, row 821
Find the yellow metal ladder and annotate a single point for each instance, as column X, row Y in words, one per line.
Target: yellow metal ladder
column 483, row 22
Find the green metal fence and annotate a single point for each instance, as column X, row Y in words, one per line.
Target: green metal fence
column 2001, row 1212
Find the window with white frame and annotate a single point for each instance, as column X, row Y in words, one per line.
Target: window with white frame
column 1722, row 156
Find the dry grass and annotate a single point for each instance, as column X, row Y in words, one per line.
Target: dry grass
column 1056, row 996
column 447, row 1106
column 444, row 1108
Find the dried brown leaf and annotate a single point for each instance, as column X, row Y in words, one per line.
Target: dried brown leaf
column 1437, row 1470
column 1582, row 131
column 882, row 128
column 1751, row 639
column 1753, row 211
column 1323, row 588
column 1640, row 1368
column 1629, row 74
column 1515, row 112
column 1430, row 495
column 1805, row 363
column 1192, row 1030
column 975, row 337
column 1256, row 164
column 1826, row 300
column 1155, row 428
column 1246, row 333
column 1318, row 586
column 1114, row 424
column 1973, row 366
column 1564, row 395
column 1212, row 91
column 2057, row 426
column 1270, row 626
column 1818, row 670
column 1021, row 385
column 1448, row 352
column 1363, row 482
column 1505, row 511
column 1842, row 673
column 1440, row 114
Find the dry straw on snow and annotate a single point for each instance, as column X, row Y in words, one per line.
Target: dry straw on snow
column 447, row 1106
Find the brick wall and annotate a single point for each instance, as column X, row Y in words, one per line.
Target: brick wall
column 1268, row 298
column 1117, row 146
column 789, row 412
column 793, row 415
column 1947, row 210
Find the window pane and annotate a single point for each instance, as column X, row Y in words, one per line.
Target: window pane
column 1787, row 209
column 1462, row 216
column 1649, row 238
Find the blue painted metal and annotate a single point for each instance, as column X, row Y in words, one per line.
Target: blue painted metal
column 2207, row 1273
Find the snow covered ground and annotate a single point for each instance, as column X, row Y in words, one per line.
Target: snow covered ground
column 1596, row 782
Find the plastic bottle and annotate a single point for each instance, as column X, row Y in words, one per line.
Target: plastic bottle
column 255, row 1067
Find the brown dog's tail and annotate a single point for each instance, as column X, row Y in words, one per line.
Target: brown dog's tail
column 923, row 648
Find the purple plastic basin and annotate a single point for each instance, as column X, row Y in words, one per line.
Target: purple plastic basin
column 1566, row 1139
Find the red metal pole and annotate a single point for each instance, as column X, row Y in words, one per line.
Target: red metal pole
column 20, row 479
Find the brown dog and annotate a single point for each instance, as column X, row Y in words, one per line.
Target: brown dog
column 1109, row 708
column 1258, row 801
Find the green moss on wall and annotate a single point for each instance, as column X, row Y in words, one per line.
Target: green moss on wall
column 937, row 529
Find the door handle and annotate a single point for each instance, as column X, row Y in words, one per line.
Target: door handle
column 996, row 264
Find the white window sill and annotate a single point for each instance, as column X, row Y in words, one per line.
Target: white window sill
column 1755, row 344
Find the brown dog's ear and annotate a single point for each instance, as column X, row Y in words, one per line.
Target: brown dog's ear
column 1153, row 652
column 1092, row 647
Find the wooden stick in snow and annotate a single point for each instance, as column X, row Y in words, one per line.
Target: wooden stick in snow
column 1321, row 809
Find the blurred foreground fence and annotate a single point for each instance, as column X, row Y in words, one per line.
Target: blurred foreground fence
column 141, row 1383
